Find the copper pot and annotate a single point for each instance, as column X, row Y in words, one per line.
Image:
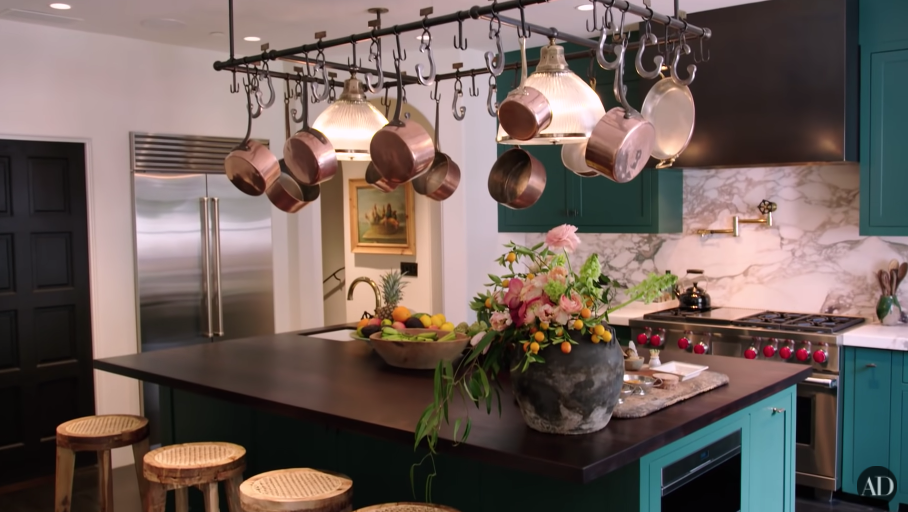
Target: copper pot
column 443, row 176
column 402, row 150
column 373, row 177
column 250, row 166
column 573, row 156
column 517, row 179
column 308, row 154
column 291, row 196
column 526, row 111
column 622, row 140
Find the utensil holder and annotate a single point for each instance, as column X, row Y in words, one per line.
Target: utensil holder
column 889, row 311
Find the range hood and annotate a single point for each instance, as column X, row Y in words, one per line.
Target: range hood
column 781, row 86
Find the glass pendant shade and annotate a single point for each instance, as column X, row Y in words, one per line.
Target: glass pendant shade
column 576, row 108
column 350, row 122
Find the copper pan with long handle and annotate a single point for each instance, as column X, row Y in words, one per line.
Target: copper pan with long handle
column 517, row 179
column 443, row 176
column 287, row 194
column 526, row 111
column 250, row 166
column 309, row 154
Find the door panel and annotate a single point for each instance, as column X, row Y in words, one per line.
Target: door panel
column 770, row 471
column 45, row 318
column 871, row 409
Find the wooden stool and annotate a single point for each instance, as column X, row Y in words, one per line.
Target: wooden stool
column 202, row 465
column 407, row 507
column 97, row 434
column 297, row 490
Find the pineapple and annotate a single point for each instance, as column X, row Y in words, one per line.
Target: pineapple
column 392, row 293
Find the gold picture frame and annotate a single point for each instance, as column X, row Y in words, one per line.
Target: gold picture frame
column 376, row 223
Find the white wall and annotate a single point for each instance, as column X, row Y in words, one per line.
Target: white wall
column 78, row 86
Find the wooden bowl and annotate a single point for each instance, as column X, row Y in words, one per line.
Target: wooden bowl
column 419, row 355
column 633, row 364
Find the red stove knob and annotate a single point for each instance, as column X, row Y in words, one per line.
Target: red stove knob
column 700, row 348
column 820, row 356
column 769, row 351
column 655, row 340
column 683, row 343
column 642, row 339
column 750, row 353
column 785, row 352
column 802, row 354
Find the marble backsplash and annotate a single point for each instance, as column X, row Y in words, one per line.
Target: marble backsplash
column 811, row 260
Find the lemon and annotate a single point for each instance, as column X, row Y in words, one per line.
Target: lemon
column 447, row 326
column 438, row 320
column 426, row 321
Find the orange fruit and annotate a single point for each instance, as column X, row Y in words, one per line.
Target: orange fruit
column 595, row 339
column 533, row 330
column 511, row 257
column 530, row 276
column 400, row 314
column 599, row 330
column 362, row 323
column 505, row 283
column 534, row 347
column 489, row 303
column 544, row 326
column 559, row 332
column 539, row 336
column 525, row 345
column 578, row 324
column 565, row 347
column 589, row 303
column 586, row 313
column 607, row 337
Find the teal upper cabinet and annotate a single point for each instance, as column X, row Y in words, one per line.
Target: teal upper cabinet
column 884, row 117
column 651, row 203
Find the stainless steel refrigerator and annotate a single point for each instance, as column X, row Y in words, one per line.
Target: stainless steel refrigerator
column 203, row 250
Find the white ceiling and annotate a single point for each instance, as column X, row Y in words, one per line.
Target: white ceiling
column 286, row 23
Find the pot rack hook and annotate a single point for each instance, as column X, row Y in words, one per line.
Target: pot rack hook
column 234, row 87
column 251, row 84
column 596, row 26
column 266, row 74
column 648, row 37
column 332, row 94
column 355, row 65
column 375, row 55
column 426, row 46
column 600, row 51
column 401, row 55
column 618, row 88
column 385, row 102
column 474, row 91
column 691, row 68
column 459, row 42
column 490, row 100
column 249, row 112
column 459, row 112
column 705, row 54
column 320, row 66
column 495, row 61
column 523, row 30
column 302, row 94
column 434, row 95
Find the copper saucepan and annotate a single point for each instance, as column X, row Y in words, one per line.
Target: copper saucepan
column 373, row 177
column 517, row 179
column 309, row 155
column 288, row 194
column 402, row 150
column 622, row 140
column 250, row 166
column 526, row 111
column 443, row 176
column 573, row 156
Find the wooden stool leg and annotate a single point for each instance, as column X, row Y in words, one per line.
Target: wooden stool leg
column 105, row 482
column 233, row 493
column 211, row 497
column 138, row 453
column 155, row 498
column 63, row 488
column 181, row 497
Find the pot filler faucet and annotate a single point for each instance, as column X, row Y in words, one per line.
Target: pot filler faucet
column 370, row 283
column 766, row 208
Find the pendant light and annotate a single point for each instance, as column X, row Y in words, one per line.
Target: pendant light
column 350, row 122
column 576, row 108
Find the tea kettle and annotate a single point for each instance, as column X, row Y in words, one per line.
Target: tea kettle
column 694, row 298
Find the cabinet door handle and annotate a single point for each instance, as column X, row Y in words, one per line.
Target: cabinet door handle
column 777, row 410
column 870, row 365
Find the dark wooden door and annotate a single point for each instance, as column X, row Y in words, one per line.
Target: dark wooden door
column 45, row 318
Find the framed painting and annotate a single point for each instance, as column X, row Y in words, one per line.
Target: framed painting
column 380, row 222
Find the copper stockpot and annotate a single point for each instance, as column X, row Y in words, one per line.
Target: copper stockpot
column 251, row 166
column 288, row 194
column 373, row 177
column 443, row 176
column 402, row 150
column 517, row 179
column 308, row 154
column 526, row 111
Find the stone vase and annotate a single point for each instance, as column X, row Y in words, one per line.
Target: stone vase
column 571, row 393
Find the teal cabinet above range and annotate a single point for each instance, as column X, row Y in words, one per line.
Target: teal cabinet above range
column 651, row 203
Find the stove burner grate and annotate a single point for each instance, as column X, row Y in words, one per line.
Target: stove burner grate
column 799, row 322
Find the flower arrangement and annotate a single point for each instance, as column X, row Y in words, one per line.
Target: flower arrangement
column 538, row 305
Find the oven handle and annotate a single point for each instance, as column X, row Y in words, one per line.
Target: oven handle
column 826, row 383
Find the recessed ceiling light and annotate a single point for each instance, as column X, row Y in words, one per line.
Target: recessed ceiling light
column 252, row 38
column 422, row 37
column 216, row 34
column 62, row 7
column 585, row 7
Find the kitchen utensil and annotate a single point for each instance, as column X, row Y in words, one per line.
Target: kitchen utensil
column 517, row 179
column 893, row 264
column 903, row 271
column 573, row 156
column 250, row 166
column 526, row 111
column 443, row 176
column 622, row 140
column 418, row 355
column 888, row 310
column 402, row 150
column 641, row 383
column 373, row 177
column 308, row 154
column 288, row 194
column 625, row 392
column 694, row 298
column 887, row 283
column 883, row 288
column 669, row 106
column 684, row 371
column 894, row 280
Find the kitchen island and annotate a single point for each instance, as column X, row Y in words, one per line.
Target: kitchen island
column 299, row 401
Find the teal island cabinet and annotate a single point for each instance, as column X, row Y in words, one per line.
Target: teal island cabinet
column 300, row 401
column 874, row 417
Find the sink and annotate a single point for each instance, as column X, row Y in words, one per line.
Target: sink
column 336, row 335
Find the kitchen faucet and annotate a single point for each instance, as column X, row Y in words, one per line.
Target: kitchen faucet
column 766, row 208
column 371, row 283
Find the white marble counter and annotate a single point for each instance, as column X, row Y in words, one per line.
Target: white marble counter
column 878, row 336
column 637, row 310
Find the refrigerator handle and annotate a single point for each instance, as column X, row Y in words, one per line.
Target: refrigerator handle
column 216, row 260
column 206, row 270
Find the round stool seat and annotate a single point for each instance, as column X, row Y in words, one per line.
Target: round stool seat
column 99, row 433
column 190, row 464
column 407, row 507
column 300, row 489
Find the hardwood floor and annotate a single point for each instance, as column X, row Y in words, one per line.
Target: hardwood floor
column 40, row 497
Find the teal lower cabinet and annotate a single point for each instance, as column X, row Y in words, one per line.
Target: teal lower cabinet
column 380, row 469
column 874, row 417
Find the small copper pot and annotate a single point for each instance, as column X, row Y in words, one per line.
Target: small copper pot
column 308, row 154
column 573, row 156
column 250, row 166
column 373, row 177
column 443, row 176
column 526, row 111
column 291, row 196
column 517, row 179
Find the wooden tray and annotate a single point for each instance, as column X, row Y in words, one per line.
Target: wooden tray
column 656, row 399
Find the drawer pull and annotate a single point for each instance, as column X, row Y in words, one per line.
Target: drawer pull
column 777, row 410
column 870, row 365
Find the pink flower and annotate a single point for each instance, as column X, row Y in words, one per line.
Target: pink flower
column 476, row 339
column 571, row 305
column 560, row 316
column 534, row 289
column 563, row 237
column 558, row 274
column 500, row 320
column 543, row 312
column 514, row 288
